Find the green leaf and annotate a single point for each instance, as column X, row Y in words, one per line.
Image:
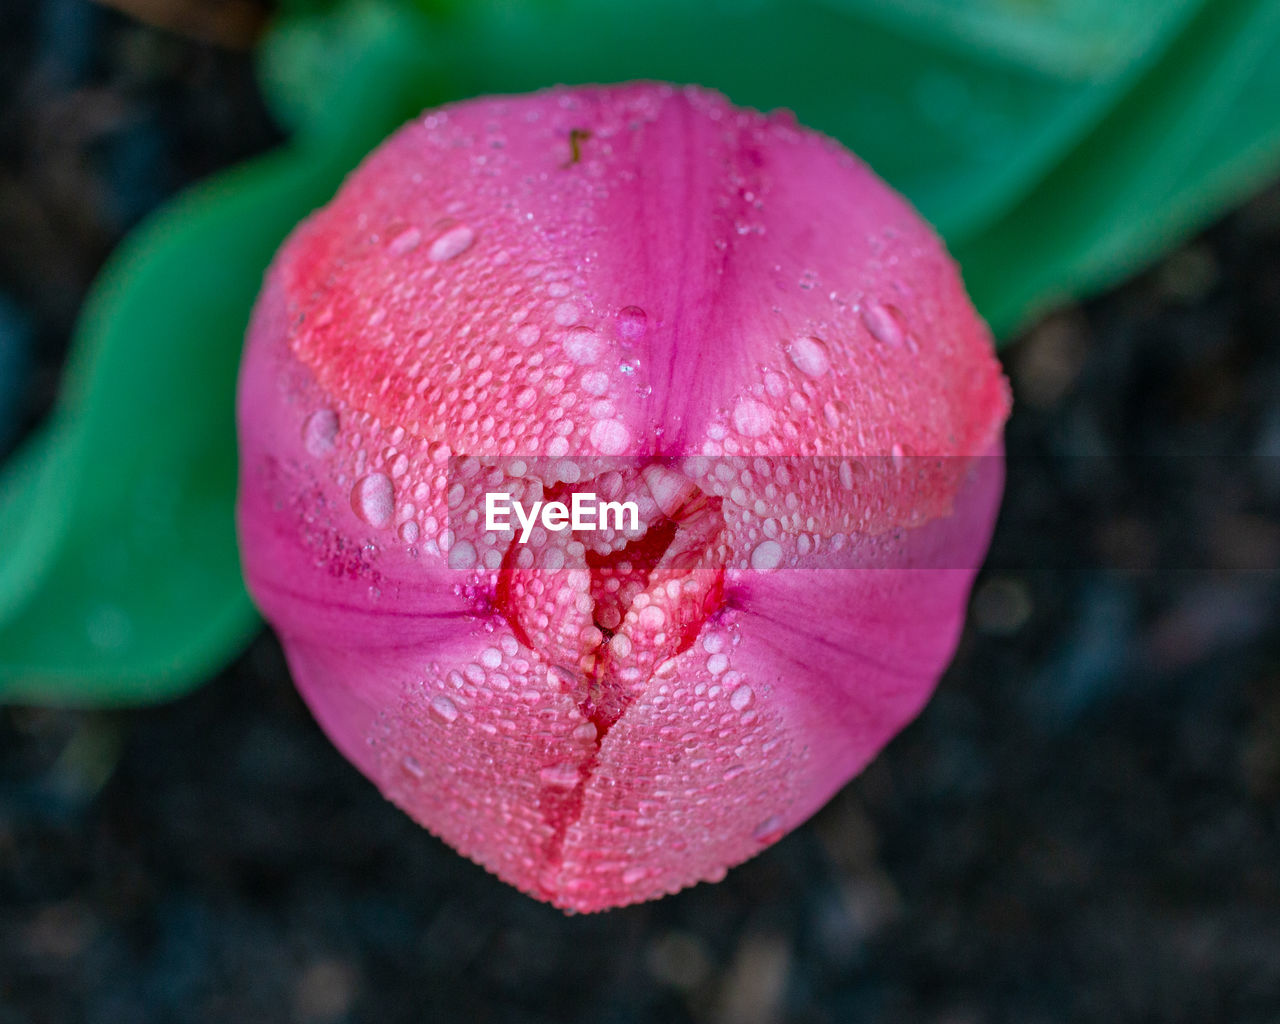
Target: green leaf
column 1066, row 38
column 29, row 487
column 128, row 502
column 1202, row 125
column 364, row 40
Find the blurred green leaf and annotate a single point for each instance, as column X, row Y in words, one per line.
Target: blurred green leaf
column 29, row 486
column 311, row 65
column 128, row 502
column 1202, row 126
column 119, row 579
column 1068, row 38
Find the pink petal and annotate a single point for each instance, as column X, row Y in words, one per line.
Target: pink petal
column 736, row 323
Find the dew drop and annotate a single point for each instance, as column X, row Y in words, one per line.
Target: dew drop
column 320, row 432
column 884, row 323
column 652, row 617
column 565, row 314
column 583, row 345
column 559, row 776
column 752, row 418
column 373, row 499
column 406, row 241
column 610, row 436
column 454, row 242
column 634, row 874
column 810, row 356
column 766, row 556
column 409, row 532
column 462, row 555
column 444, row 709
column 632, row 323
column 414, row 767
column 741, row 698
column 768, row 831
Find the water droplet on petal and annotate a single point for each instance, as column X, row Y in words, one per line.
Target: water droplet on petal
column 652, row 617
column 559, row 776
column 768, row 831
column 406, row 241
column 414, row 767
column 610, row 436
column 373, row 499
column 741, row 698
column 565, row 314
column 583, row 345
column 810, row 356
column 444, row 709
column 851, row 472
column 454, row 242
column 766, row 556
column 884, row 323
column 462, row 555
column 752, row 418
column 632, row 323
column 320, row 432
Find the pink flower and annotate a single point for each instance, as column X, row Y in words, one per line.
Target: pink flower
column 643, row 293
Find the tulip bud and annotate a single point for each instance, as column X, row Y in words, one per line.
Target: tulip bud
column 718, row 322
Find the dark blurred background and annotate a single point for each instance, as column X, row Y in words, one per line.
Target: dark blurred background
column 1083, row 825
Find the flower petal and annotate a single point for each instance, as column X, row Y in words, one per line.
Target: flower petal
column 643, row 292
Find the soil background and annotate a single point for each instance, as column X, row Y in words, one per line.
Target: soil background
column 1083, row 825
